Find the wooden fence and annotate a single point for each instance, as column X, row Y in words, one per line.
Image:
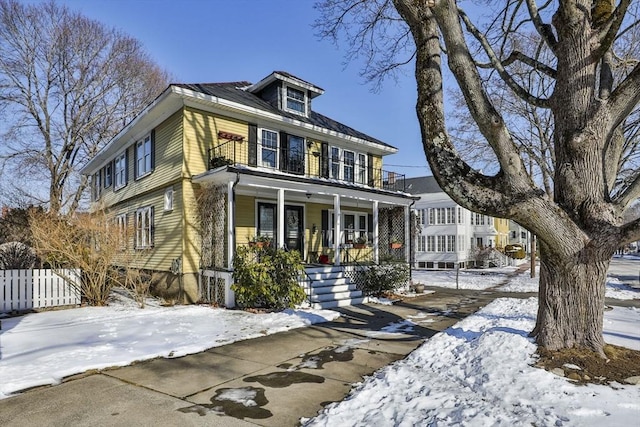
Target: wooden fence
column 27, row 289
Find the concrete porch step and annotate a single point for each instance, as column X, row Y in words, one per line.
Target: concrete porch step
column 338, row 303
column 336, row 296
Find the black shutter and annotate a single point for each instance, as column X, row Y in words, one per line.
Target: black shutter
column 324, row 228
column 370, row 179
column 284, row 151
column 153, row 149
column 324, row 160
column 253, row 145
column 126, row 166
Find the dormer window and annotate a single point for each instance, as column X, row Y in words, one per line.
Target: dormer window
column 296, row 101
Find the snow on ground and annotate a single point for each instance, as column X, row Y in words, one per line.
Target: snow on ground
column 479, row 373
column 42, row 348
column 494, row 277
column 467, row 279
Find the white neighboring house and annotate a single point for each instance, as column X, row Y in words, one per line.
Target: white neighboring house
column 518, row 235
column 446, row 232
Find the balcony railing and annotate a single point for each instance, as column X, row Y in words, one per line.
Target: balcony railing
column 307, row 163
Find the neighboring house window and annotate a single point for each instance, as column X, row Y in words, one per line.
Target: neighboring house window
column 144, row 156
column 168, row 199
column 451, row 243
column 144, row 228
column 461, row 241
column 432, row 216
column 442, row 242
column 431, row 243
column 108, row 175
column 422, row 243
column 268, row 149
column 460, row 220
column 523, row 234
column 296, row 101
column 451, row 215
column 120, row 172
column 121, row 229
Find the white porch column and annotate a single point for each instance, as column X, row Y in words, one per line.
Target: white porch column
column 231, row 240
column 337, row 229
column 407, row 232
column 281, row 218
column 376, row 238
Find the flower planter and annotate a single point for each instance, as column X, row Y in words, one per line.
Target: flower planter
column 395, row 245
column 259, row 244
column 323, row 259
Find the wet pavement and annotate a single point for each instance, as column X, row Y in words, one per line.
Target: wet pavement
column 269, row 381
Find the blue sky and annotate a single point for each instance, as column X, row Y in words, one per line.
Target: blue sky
column 230, row 40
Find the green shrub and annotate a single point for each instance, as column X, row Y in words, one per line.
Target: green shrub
column 378, row 279
column 267, row 278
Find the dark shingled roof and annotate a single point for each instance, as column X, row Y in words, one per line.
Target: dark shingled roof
column 422, row 185
column 233, row 91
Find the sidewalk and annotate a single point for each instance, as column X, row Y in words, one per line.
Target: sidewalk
column 287, row 375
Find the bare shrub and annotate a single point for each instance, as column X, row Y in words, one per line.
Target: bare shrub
column 91, row 243
column 16, row 255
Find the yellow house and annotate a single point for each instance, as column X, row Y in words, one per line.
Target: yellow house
column 208, row 167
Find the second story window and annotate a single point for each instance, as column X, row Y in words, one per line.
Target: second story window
column 108, row 175
column 120, row 171
column 269, row 149
column 296, row 101
column 349, row 166
column 362, row 169
column 335, row 163
column 144, row 156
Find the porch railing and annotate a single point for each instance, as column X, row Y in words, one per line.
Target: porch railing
column 307, row 163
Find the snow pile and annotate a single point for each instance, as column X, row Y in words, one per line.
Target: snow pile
column 479, row 373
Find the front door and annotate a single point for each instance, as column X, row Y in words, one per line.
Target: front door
column 293, row 227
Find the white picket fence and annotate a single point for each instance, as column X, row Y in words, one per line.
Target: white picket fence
column 37, row 288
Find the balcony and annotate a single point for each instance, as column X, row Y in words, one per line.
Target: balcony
column 306, row 160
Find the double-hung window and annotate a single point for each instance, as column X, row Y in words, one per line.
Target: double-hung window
column 108, row 175
column 349, row 166
column 144, row 228
column 335, row 163
column 121, row 229
column 362, row 169
column 431, row 243
column 296, row 101
column 269, row 149
column 96, row 184
column 422, row 243
column 120, row 171
column 144, row 156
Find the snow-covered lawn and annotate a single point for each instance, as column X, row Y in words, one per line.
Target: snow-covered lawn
column 42, row 348
column 492, row 277
column 479, row 373
column 476, row 373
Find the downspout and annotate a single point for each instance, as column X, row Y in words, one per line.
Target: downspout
column 233, row 219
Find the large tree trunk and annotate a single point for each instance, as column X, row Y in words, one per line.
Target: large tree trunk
column 571, row 306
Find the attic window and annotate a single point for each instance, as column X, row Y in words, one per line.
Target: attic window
column 230, row 136
column 296, row 101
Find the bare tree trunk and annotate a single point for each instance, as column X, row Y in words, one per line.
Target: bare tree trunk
column 571, row 306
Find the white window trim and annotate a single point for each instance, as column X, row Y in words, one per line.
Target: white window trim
column 304, row 101
column 260, row 145
column 357, row 231
column 168, row 199
column 144, row 228
column 120, row 182
column 143, row 141
column 358, row 169
column 121, row 229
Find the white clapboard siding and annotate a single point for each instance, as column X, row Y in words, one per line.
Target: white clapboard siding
column 26, row 289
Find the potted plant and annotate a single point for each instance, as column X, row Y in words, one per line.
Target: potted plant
column 395, row 244
column 260, row 241
column 360, row 243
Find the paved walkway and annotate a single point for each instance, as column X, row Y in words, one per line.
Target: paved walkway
column 288, row 375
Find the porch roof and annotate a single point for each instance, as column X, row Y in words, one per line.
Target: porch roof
column 310, row 186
